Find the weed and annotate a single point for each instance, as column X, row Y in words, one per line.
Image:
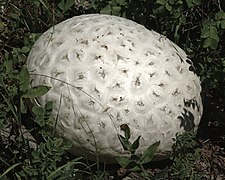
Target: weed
column 45, row 159
column 186, row 154
column 135, row 162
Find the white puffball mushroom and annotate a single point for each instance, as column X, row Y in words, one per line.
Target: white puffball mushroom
column 106, row 71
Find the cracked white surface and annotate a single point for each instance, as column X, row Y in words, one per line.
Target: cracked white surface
column 114, row 72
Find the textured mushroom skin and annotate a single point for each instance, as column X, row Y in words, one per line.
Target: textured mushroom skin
column 106, row 71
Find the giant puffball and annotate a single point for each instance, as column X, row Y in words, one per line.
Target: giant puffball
column 106, row 72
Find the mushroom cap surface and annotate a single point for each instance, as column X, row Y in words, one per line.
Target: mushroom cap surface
column 107, row 71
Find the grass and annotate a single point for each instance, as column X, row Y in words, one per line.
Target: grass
column 22, row 130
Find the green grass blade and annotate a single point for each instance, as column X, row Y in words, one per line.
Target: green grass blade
column 9, row 169
column 74, row 162
column 10, row 105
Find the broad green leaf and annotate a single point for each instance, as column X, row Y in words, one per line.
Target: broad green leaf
column 209, row 59
column 215, row 37
column 223, row 63
column 69, row 4
column 180, row 1
column 206, row 23
column 149, row 153
column 40, row 120
column 162, row 2
column 210, row 42
column 213, row 29
column 182, row 19
column 38, row 110
column 49, row 144
column 49, row 106
column 14, row 16
column 172, row 2
column 218, row 24
column 168, row 7
column 220, row 15
column 123, row 161
column 125, row 143
column 35, row 2
column 61, row 5
column 197, row 2
column 8, row 65
column 24, row 78
column 2, row 25
column 205, row 32
column 106, row 10
column 189, row 3
column 121, row 2
column 66, row 4
column 35, row 154
column 135, row 144
column 126, row 129
column 223, row 24
column 116, row 10
column 177, row 15
column 58, row 142
column 112, row 3
column 214, row 33
column 206, row 43
column 36, row 91
column 25, row 49
column 21, row 57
